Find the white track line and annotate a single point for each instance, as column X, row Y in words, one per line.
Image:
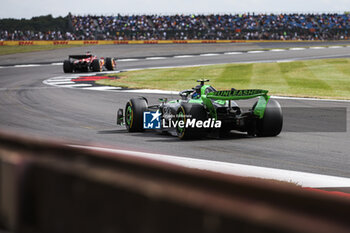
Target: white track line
column 183, row 56
column 59, row 80
column 60, row 83
column 155, row 58
column 305, row 98
column 233, row 53
column 301, row 178
column 277, row 50
column 29, row 65
column 75, row 85
column 127, row 59
column 257, row 51
column 296, row 49
column 335, row 47
column 209, row 54
column 317, row 47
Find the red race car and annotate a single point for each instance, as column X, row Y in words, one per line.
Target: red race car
column 87, row 63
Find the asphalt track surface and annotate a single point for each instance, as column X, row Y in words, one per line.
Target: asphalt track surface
column 28, row 107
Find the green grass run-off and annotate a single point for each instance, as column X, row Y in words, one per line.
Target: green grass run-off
column 327, row 78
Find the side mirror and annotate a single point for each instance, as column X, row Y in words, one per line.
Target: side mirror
column 183, row 95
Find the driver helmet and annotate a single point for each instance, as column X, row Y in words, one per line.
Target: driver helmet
column 197, row 92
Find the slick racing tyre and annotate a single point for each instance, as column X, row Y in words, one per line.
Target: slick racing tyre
column 272, row 122
column 110, row 63
column 134, row 114
column 96, row 66
column 67, row 66
column 195, row 111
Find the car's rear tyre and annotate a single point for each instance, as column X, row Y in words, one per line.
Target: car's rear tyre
column 110, row 63
column 67, row 66
column 272, row 122
column 96, row 65
column 134, row 114
column 196, row 111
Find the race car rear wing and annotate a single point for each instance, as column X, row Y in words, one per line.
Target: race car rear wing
column 79, row 56
column 236, row 94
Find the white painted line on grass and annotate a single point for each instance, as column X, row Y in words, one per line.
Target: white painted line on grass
column 301, row 178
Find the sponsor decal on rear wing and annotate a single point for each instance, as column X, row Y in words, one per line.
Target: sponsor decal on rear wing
column 236, row 94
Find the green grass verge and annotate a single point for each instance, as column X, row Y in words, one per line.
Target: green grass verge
column 327, row 78
column 7, row 49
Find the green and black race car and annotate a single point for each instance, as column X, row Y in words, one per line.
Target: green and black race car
column 203, row 110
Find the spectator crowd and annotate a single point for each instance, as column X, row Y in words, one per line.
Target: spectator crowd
column 201, row 27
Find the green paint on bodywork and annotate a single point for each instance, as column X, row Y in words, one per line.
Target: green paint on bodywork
column 195, row 101
column 173, row 101
column 209, row 106
column 203, row 88
column 221, row 102
column 260, row 107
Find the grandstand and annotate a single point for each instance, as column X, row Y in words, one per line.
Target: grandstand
column 335, row 26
